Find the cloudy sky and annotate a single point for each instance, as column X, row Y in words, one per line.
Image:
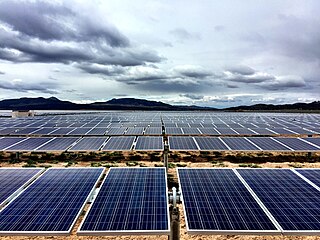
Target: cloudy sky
column 208, row 53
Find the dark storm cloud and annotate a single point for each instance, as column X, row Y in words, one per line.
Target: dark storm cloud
column 38, row 31
column 101, row 69
column 284, row 82
column 192, row 71
column 52, row 21
column 20, row 86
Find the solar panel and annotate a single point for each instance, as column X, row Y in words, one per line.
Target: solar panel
column 130, row 201
column 51, row 204
column 119, row 143
column 153, row 131
column 267, row 143
column 89, row 144
column 292, row 201
column 79, row 131
column 226, row 131
column 25, row 131
column 217, row 202
column 182, row 143
column 282, row 131
column 190, row 131
column 134, row 131
column 12, row 180
column 210, row 143
column 236, row 143
column 209, row 131
column 44, row 131
column 115, row 131
column 173, row 130
column 263, row 131
column 97, row 131
column 149, row 143
column 29, row 144
column 244, row 131
column 311, row 174
column 297, row 144
column 58, row 144
column 9, row 141
column 315, row 141
column 7, row 131
column 61, row 131
column 300, row 130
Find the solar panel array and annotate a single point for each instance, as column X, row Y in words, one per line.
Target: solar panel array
column 256, row 201
column 137, row 124
column 292, row 201
column 178, row 143
column 51, row 204
column 174, row 123
column 14, row 179
column 216, row 201
column 130, row 201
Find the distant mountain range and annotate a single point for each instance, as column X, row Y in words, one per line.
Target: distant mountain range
column 54, row 103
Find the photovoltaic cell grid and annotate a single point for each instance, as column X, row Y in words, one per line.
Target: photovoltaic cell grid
column 210, row 143
column 51, row 204
column 266, row 143
column 8, row 141
column 13, row 179
column 297, row 144
column 89, row 144
column 182, row 143
column 217, row 202
column 149, row 143
column 119, row 143
column 239, row 144
column 29, row 144
column 312, row 174
column 130, row 200
column 292, row 201
column 58, row 144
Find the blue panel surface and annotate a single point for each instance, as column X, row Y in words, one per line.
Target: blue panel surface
column 130, row 200
column 293, row 202
column 182, row 143
column 236, row 143
column 149, row 143
column 312, row 174
column 12, row 179
column 119, row 143
column 51, row 204
column 210, row 143
column 9, row 141
column 89, row 144
column 58, row 144
column 216, row 201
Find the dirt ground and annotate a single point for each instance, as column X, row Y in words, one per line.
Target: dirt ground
column 173, row 176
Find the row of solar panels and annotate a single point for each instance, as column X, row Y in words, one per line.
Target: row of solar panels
column 89, row 131
column 177, row 143
column 155, row 143
column 61, row 144
column 240, row 131
column 136, row 131
column 251, row 201
column 129, row 201
column 135, row 201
